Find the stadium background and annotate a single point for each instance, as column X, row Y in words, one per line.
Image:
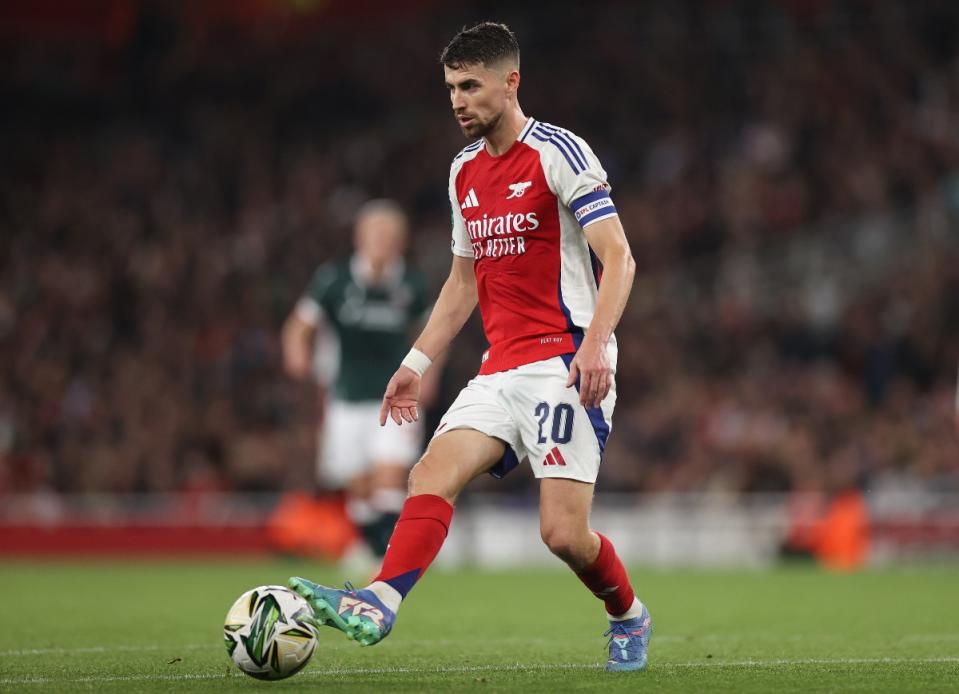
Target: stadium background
column 788, row 174
column 788, row 177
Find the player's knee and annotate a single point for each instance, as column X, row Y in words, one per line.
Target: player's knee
column 418, row 478
column 427, row 477
column 560, row 541
column 569, row 539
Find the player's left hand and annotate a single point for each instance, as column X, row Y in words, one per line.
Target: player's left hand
column 591, row 366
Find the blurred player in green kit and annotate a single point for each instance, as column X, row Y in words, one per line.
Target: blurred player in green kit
column 369, row 304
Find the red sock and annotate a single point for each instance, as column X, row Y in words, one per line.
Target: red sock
column 419, row 534
column 606, row 578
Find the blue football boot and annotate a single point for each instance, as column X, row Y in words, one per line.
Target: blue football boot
column 628, row 643
column 357, row 613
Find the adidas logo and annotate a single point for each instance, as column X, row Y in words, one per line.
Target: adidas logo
column 554, row 457
column 470, row 200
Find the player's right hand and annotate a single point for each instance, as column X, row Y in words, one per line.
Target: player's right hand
column 401, row 397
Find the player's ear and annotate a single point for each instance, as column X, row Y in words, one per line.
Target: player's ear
column 512, row 80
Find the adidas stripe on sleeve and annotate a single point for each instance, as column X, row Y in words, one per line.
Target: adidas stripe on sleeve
column 461, row 245
column 574, row 172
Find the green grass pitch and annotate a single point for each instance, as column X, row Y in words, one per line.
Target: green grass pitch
column 147, row 627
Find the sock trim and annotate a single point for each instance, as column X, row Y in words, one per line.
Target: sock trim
column 387, row 594
column 634, row 611
column 428, row 507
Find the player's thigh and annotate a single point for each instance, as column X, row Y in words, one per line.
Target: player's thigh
column 564, row 506
column 452, row 459
column 471, row 438
column 563, row 439
column 344, row 452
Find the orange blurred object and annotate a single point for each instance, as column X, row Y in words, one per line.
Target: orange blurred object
column 842, row 535
column 306, row 526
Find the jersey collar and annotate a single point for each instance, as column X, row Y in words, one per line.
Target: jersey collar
column 530, row 122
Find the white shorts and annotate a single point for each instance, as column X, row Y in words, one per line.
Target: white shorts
column 538, row 417
column 352, row 440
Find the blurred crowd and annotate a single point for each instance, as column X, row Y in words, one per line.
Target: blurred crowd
column 787, row 173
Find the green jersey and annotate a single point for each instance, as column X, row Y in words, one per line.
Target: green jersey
column 372, row 321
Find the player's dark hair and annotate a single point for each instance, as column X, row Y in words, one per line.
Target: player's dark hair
column 486, row 43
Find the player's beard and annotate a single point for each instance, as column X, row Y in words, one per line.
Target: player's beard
column 481, row 129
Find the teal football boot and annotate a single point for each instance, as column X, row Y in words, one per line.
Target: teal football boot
column 357, row 613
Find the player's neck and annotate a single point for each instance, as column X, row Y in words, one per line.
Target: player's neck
column 506, row 132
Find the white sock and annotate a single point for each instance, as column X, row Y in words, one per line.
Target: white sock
column 387, row 594
column 634, row 611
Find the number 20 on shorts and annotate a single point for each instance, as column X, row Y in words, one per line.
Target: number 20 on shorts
column 561, row 430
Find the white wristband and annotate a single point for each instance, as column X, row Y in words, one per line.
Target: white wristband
column 417, row 361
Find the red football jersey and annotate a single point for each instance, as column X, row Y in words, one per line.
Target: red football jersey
column 521, row 216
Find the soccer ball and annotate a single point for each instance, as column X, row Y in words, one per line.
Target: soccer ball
column 266, row 635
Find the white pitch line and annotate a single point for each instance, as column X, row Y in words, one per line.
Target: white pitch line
column 587, row 666
column 661, row 638
column 334, row 672
column 104, row 649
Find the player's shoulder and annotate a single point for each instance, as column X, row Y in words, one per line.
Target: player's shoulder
column 331, row 271
column 466, row 154
column 547, row 130
column 559, row 144
column 325, row 280
column 334, row 266
column 470, row 150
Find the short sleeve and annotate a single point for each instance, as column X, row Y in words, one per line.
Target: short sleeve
column 575, row 175
column 308, row 311
column 315, row 300
column 461, row 246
